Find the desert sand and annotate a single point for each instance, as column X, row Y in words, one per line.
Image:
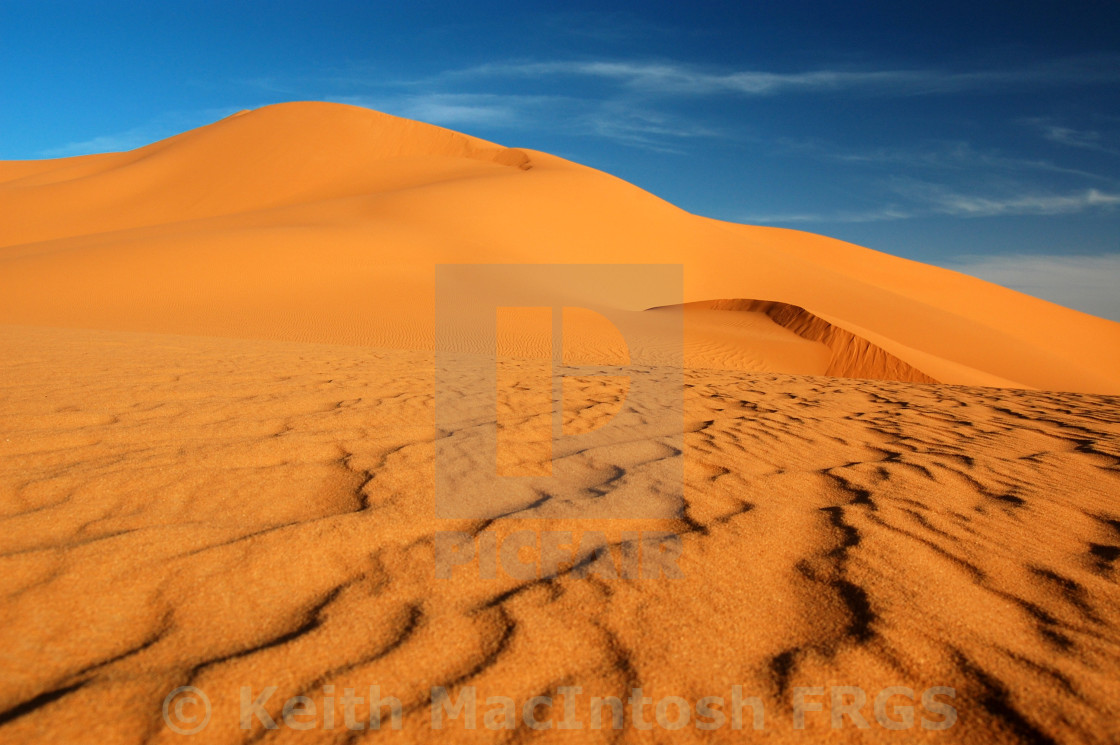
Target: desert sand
column 221, row 437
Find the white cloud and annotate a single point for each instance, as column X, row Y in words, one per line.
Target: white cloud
column 1086, row 283
column 675, row 78
column 1084, row 139
column 930, row 200
column 943, row 155
column 791, row 218
column 159, row 128
column 130, row 140
column 1027, row 204
column 624, row 108
column 630, row 125
column 640, row 127
column 451, row 109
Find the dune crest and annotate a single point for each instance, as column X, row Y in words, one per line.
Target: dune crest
column 852, row 356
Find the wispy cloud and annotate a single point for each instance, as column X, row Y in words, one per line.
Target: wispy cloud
column 641, row 127
column 944, row 155
column 161, row 127
column 968, row 205
column 456, row 109
column 665, row 78
column 882, row 214
column 112, row 143
column 638, row 102
column 1079, row 138
column 1087, row 283
column 929, row 200
column 631, row 125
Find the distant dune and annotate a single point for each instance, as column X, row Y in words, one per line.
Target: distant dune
column 322, row 222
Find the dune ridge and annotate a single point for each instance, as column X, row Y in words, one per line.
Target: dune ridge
column 852, row 356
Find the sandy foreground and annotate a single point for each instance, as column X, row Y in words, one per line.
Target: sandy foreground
column 272, row 466
column 222, row 513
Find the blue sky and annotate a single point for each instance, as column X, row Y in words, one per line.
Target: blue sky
column 980, row 136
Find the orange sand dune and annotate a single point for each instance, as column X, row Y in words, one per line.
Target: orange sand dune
column 322, row 223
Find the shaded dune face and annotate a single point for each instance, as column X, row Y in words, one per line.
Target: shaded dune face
column 228, row 513
column 850, row 356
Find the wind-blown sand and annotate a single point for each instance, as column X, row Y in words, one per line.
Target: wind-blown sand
column 218, row 438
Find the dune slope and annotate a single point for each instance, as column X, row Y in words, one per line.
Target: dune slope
column 323, row 223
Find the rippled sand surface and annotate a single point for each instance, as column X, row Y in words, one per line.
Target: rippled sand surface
column 219, row 513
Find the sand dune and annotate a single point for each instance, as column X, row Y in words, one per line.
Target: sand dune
column 322, row 223
column 235, row 454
